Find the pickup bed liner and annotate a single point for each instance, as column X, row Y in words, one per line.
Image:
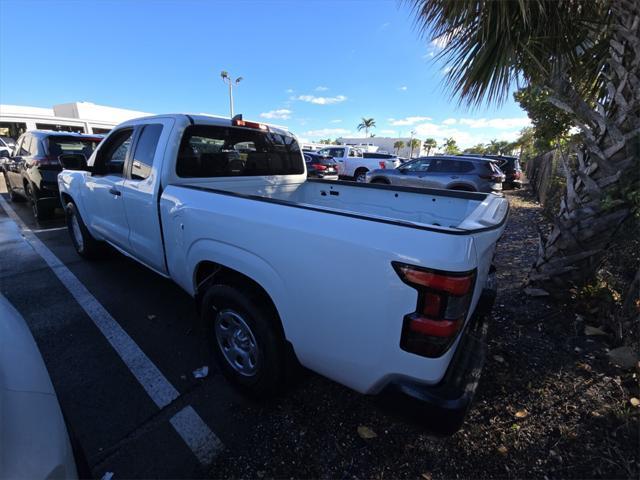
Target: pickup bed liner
column 441, row 210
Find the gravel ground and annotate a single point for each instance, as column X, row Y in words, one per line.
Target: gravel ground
column 549, row 404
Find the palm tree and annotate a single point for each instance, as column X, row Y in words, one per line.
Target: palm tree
column 366, row 124
column 450, row 146
column 398, row 146
column 586, row 54
column 429, row 144
column 415, row 145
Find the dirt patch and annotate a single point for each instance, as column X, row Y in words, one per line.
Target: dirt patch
column 549, row 403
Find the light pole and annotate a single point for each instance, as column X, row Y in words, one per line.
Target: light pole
column 227, row 79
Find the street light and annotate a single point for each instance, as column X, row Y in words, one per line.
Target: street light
column 227, row 79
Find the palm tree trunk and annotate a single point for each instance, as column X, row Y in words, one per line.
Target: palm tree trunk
column 607, row 165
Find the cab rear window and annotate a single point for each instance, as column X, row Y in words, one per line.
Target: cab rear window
column 214, row 151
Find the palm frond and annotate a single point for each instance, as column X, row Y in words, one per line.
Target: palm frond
column 491, row 44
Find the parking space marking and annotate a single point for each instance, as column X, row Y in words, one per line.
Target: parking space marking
column 188, row 424
column 53, row 229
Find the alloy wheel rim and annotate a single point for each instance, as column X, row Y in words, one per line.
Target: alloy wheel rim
column 237, row 342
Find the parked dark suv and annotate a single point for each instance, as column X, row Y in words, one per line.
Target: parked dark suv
column 509, row 165
column 31, row 172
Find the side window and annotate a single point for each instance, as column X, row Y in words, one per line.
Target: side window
column 352, row 153
column 113, row 153
column 19, row 151
column 439, row 166
column 33, row 146
column 465, row 167
column 26, row 145
column 145, row 151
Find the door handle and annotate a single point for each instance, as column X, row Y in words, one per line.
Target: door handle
column 115, row 192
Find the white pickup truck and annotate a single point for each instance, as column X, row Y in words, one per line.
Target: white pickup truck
column 351, row 162
column 223, row 207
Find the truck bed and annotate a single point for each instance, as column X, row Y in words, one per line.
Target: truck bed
column 454, row 211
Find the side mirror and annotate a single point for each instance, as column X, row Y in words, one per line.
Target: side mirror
column 73, row 161
column 402, row 170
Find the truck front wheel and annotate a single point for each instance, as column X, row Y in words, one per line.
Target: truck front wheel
column 245, row 343
column 84, row 243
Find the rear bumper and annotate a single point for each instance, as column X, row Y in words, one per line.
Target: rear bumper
column 442, row 407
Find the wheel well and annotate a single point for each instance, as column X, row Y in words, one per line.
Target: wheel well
column 66, row 198
column 210, row 272
column 380, row 180
column 360, row 169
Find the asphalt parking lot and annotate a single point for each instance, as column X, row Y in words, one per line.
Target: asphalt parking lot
column 113, row 412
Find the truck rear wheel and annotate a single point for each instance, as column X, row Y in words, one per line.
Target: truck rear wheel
column 361, row 175
column 244, row 340
column 84, row 243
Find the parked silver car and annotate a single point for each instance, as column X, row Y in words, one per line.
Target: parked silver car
column 449, row 172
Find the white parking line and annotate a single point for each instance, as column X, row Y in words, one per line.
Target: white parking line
column 53, row 229
column 194, row 431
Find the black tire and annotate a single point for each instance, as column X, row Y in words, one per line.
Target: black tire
column 360, row 175
column 13, row 196
column 39, row 212
column 221, row 301
column 86, row 246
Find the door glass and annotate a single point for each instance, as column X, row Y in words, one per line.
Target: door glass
column 113, row 153
column 145, row 151
column 417, row 165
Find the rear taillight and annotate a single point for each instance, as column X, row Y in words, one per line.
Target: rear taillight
column 443, row 304
column 494, row 178
column 319, row 166
column 383, row 165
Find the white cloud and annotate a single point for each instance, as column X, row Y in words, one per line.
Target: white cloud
column 403, row 88
column 440, row 42
column 407, row 121
column 282, row 114
column 430, row 54
column 326, row 132
column 443, row 40
column 322, row 100
column 465, row 135
column 337, row 120
column 503, row 123
column 321, row 88
column 289, row 90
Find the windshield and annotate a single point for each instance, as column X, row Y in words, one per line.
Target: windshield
column 67, row 145
column 211, row 151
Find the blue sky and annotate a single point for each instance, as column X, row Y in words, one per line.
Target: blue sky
column 314, row 66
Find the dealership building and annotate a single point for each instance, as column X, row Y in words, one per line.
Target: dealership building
column 81, row 117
